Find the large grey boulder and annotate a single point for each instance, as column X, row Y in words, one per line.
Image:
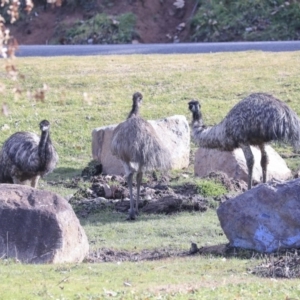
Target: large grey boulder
column 265, row 218
column 39, row 227
column 173, row 131
column 234, row 164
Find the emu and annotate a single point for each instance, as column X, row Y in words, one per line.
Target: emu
column 256, row 120
column 137, row 145
column 26, row 157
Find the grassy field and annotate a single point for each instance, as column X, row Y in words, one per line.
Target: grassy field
column 88, row 92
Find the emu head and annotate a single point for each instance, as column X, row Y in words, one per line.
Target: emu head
column 137, row 99
column 194, row 106
column 44, row 125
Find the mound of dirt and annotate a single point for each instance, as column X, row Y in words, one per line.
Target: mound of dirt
column 158, row 196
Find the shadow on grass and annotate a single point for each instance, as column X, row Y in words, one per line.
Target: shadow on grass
column 282, row 264
column 107, row 216
column 61, row 174
column 225, row 250
column 222, row 250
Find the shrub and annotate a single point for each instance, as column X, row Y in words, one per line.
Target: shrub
column 101, row 29
column 246, row 20
column 210, row 188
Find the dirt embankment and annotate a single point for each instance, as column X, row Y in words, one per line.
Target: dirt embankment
column 158, row 21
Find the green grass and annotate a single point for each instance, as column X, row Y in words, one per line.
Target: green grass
column 180, row 278
column 210, row 188
column 111, row 230
column 167, row 83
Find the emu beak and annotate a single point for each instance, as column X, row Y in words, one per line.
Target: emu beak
column 44, row 128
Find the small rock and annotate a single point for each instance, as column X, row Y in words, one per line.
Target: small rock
column 180, row 27
column 107, row 191
column 68, row 197
column 179, row 4
column 100, row 200
column 5, row 127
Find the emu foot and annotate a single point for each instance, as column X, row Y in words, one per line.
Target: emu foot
column 130, row 218
column 132, row 215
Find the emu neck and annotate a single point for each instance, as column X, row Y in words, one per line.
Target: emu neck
column 197, row 119
column 210, row 137
column 44, row 149
column 134, row 111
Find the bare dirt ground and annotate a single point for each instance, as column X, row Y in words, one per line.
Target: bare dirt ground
column 158, row 196
column 157, row 20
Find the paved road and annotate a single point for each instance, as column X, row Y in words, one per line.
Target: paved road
column 81, row 50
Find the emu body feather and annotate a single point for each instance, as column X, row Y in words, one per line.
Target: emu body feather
column 26, row 157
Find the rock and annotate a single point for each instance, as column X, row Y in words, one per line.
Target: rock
column 68, row 197
column 174, row 132
column 234, row 164
column 39, row 227
column 180, row 27
column 265, row 218
column 147, row 192
column 179, row 3
column 194, row 248
column 107, row 191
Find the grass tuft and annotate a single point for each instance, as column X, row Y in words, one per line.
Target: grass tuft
column 210, row 188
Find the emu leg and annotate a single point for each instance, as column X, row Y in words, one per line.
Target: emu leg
column 131, row 209
column 34, row 181
column 250, row 162
column 16, row 180
column 139, row 177
column 264, row 162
